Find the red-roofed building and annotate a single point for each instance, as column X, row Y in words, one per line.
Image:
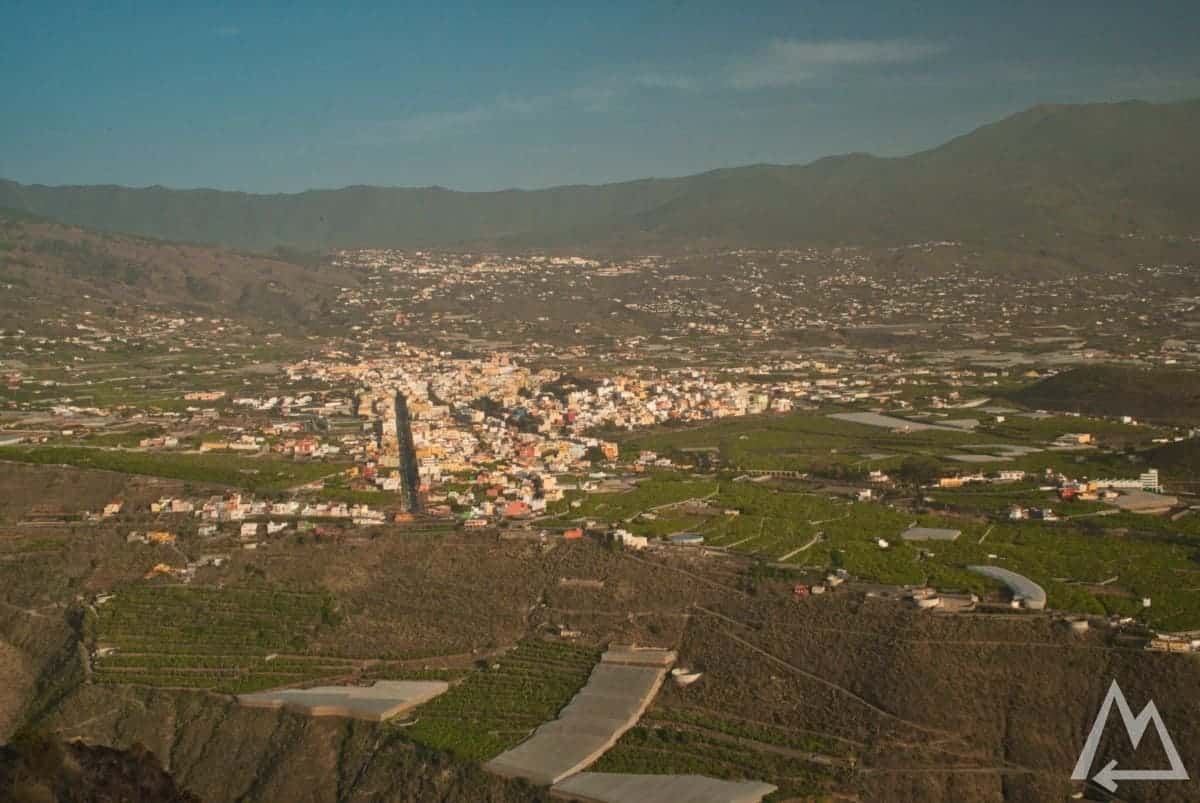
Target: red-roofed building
column 517, row 509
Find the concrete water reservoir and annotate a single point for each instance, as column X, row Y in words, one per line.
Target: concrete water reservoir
column 384, row 700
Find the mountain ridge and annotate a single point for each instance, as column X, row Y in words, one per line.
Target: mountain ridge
column 1105, row 170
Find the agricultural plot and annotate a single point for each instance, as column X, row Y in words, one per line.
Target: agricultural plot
column 229, row 640
column 683, row 743
column 1073, row 463
column 774, row 524
column 1094, row 564
column 1186, row 527
column 819, row 443
column 400, row 671
column 682, row 717
column 996, row 500
column 661, row 489
column 495, row 709
column 262, row 475
column 800, row 442
column 1027, row 428
column 128, row 438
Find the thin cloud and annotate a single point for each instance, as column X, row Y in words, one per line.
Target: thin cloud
column 789, row 62
column 422, row 127
column 781, row 62
column 432, row 125
column 660, row 80
column 228, row 31
column 596, row 98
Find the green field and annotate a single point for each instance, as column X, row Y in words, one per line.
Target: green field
column 129, row 438
column 1150, row 556
column 767, row 734
column 1021, row 428
column 212, row 638
column 263, row 475
column 828, row 446
column 997, row 499
column 683, row 741
column 1158, row 393
column 663, row 488
column 494, row 709
column 798, row 442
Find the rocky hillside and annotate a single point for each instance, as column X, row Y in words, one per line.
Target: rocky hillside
column 221, row 751
column 45, row 770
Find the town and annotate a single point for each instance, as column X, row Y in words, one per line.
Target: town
column 631, row 469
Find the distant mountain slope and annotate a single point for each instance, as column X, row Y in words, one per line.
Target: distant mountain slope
column 1100, row 170
column 46, row 267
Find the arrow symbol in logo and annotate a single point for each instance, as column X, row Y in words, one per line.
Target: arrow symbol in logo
column 1109, row 776
column 1136, row 727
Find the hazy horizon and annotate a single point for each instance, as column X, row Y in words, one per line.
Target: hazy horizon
column 601, row 182
column 488, row 98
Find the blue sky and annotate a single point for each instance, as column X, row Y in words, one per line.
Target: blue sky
column 282, row 97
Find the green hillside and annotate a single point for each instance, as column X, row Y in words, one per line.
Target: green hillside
column 1154, row 394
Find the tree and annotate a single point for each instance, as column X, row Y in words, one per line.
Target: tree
column 919, row 470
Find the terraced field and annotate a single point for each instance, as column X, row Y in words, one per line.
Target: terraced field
column 798, row 442
column 261, row 475
column 495, row 709
column 817, row 443
column 684, row 741
column 664, row 488
column 231, row 640
column 1075, row 561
